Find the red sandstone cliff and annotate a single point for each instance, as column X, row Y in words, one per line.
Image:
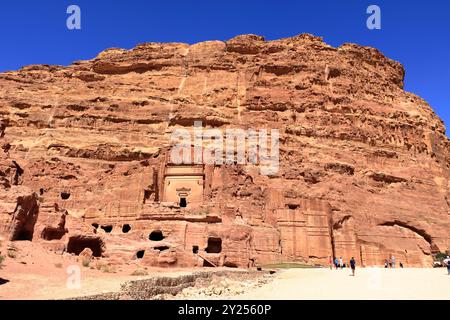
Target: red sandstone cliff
column 364, row 165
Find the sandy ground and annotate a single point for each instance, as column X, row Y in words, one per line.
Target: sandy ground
column 35, row 274
column 33, row 281
column 369, row 283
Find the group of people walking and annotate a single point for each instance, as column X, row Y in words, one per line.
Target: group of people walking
column 390, row 263
column 340, row 264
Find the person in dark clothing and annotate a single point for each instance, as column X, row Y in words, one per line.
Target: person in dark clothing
column 353, row 265
column 401, row 264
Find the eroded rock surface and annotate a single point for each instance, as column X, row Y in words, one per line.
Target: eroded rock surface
column 364, row 165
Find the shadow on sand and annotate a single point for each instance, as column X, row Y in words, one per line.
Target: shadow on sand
column 3, row 281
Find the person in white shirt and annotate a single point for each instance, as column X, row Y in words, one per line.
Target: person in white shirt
column 447, row 263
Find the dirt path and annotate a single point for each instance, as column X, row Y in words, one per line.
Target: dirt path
column 369, row 283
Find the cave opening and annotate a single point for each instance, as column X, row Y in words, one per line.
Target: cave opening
column 207, row 264
column 230, row 265
column 23, row 234
column 162, row 248
column 422, row 233
column 77, row 244
column 183, row 203
column 126, row 228
column 50, row 233
column 214, row 245
column 107, row 228
column 24, row 231
column 147, row 194
column 24, row 220
column 65, row 195
column 156, row 235
column 140, row 254
column 195, row 249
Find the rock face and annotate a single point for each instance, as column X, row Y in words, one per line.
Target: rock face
column 363, row 169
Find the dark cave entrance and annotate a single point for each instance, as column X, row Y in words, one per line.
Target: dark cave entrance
column 23, row 234
column 126, row 228
column 161, row 248
column 183, row 203
column 107, row 228
column 65, row 195
column 140, row 254
column 50, row 233
column 156, row 235
column 24, row 219
column 77, row 244
column 195, row 249
column 207, row 264
column 230, row 265
column 214, row 245
column 24, row 230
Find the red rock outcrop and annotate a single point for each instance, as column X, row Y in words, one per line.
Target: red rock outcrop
column 363, row 171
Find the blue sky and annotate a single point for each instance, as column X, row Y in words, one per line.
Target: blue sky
column 416, row 33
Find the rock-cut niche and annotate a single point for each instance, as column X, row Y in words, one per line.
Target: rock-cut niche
column 183, row 184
